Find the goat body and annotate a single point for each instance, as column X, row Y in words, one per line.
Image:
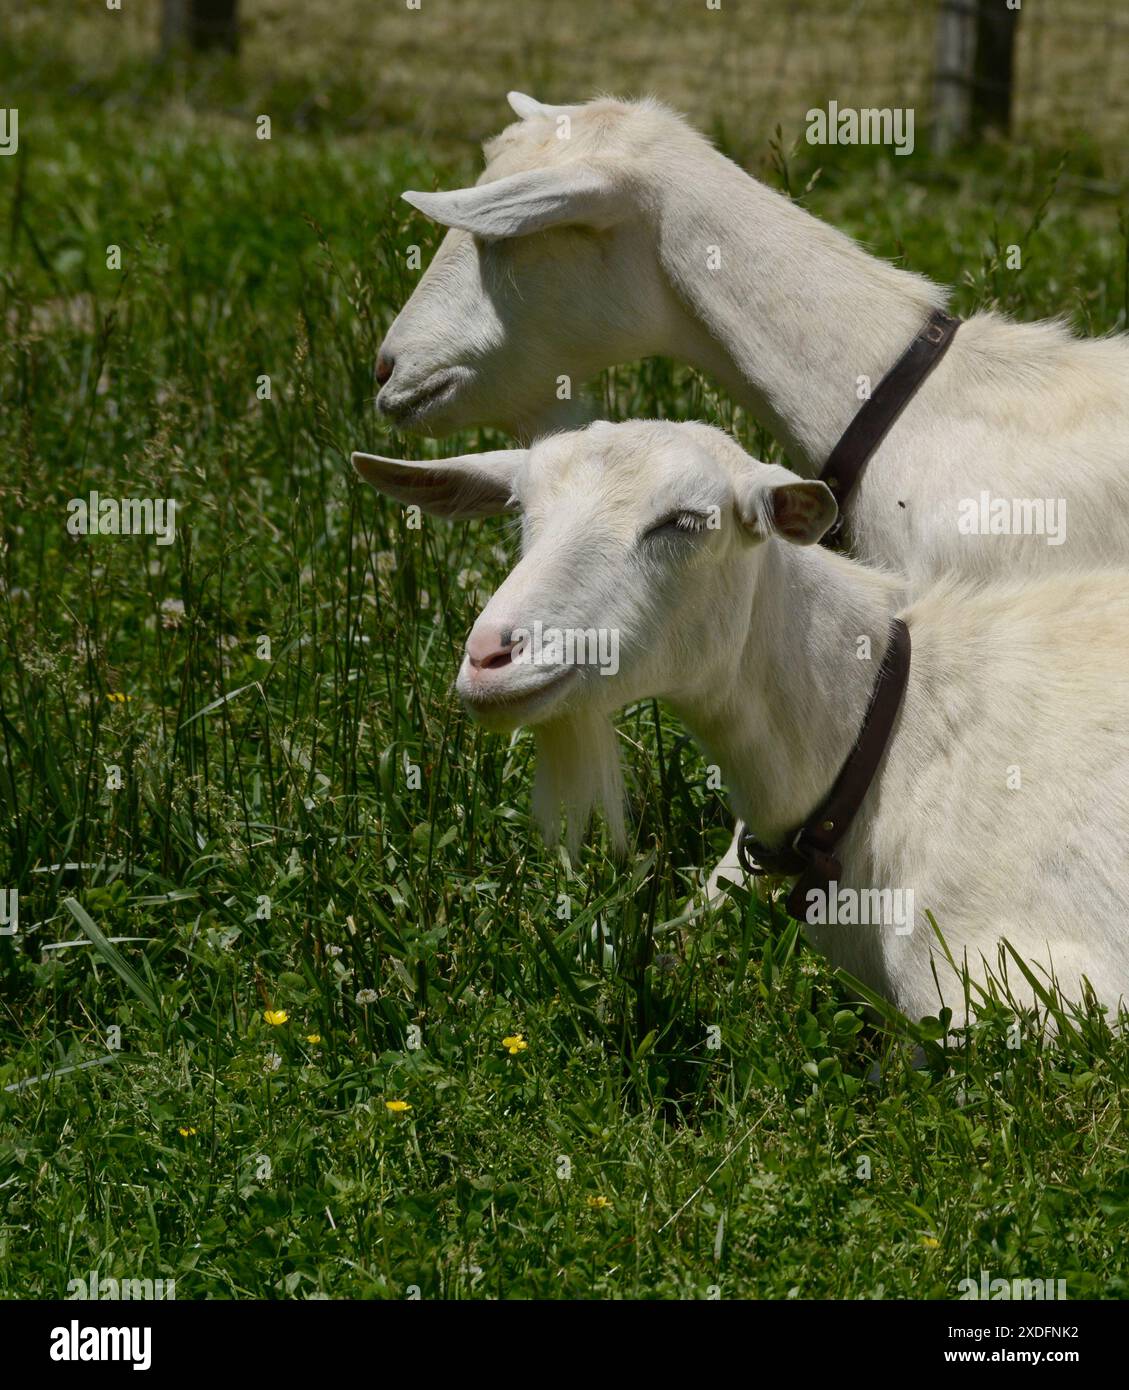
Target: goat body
column 1001, row 806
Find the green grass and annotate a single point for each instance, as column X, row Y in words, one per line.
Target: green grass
column 239, row 1157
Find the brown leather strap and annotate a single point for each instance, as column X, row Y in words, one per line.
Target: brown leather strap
column 811, row 851
column 887, row 401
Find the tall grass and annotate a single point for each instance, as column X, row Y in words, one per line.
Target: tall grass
column 320, row 832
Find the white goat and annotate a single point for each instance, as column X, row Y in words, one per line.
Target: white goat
column 605, row 232
column 1002, row 801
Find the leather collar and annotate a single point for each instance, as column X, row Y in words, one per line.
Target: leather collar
column 811, row 850
column 889, row 398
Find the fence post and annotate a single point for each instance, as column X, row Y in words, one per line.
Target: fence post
column 973, row 69
column 996, row 28
column 199, row 24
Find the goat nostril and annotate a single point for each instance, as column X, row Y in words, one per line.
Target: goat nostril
column 384, row 368
column 490, row 651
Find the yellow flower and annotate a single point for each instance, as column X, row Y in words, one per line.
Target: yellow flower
column 598, row 1203
column 514, row 1044
column 186, row 1132
column 930, row 1242
column 276, row 1016
column 313, row 1038
column 397, row 1106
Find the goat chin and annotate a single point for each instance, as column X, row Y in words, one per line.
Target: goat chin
column 578, row 771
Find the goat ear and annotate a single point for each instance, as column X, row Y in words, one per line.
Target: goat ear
column 580, row 194
column 797, row 510
column 528, row 107
column 472, row 485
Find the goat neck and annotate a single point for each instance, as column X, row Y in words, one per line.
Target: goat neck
column 780, row 712
column 794, row 314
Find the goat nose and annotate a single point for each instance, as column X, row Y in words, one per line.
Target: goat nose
column 384, row 367
column 488, row 650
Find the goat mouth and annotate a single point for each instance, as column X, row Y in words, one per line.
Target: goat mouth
column 512, row 708
column 412, row 409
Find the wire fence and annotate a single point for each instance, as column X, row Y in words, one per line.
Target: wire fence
column 440, row 68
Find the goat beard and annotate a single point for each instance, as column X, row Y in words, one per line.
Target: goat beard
column 578, row 771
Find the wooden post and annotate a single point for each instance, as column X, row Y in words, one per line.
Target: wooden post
column 996, row 28
column 952, row 74
column 973, row 72
column 174, row 24
column 199, row 25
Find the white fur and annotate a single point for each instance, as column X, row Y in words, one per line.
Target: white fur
column 755, row 643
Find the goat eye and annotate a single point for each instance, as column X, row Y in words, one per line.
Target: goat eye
column 677, row 524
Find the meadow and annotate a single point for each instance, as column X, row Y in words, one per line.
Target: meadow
column 299, row 1005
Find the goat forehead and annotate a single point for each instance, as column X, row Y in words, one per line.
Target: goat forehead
column 559, row 472
column 618, row 473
